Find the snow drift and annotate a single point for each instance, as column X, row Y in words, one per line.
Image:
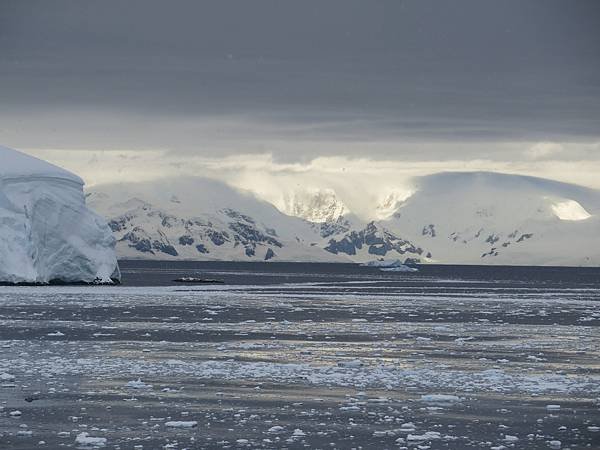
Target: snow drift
column 46, row 231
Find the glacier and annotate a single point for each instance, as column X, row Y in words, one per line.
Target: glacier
column 47, row 233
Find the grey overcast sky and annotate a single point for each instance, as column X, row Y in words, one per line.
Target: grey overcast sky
column 412, row 80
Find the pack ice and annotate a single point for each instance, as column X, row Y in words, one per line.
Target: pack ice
column 46, row 231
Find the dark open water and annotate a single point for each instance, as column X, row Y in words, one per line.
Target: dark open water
column 162, row 273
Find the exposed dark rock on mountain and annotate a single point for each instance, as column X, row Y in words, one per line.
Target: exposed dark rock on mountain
column 378, row 240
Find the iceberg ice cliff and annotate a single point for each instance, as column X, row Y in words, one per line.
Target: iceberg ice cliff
column 46, row 231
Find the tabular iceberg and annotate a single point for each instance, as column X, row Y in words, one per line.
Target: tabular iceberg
column 46, row 231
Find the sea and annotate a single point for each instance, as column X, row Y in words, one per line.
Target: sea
column 304, row 355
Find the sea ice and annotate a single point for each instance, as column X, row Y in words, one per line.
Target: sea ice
column 355, row 363
column 7, row 377
column 181, row 424
column 440, row 398
column 427, row 436
column 138, row 384
column 84, row 440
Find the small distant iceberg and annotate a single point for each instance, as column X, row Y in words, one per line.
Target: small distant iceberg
column 390, row 265
column 198, row 280
column 402, row 268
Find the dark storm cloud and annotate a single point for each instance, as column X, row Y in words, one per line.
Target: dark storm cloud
column 335, row 69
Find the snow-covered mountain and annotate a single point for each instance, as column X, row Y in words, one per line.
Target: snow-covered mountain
column 46, row 231
column 390, row 203
column 471, row 218
column 197, row 218
column 317, row 205
column 491, row 218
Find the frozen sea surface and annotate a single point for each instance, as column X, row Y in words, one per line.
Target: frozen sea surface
column 304, row 356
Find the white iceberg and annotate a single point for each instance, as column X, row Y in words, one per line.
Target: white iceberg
column 46, row 231
column 401, row 268
column 390, row 265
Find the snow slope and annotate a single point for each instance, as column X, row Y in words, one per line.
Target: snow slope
column 492, row 218
column 46, row 231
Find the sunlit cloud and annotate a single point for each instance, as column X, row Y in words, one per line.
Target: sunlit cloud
column 544, row 150
column 364, row 185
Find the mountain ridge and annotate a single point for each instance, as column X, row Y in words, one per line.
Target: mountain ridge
column 451, row 217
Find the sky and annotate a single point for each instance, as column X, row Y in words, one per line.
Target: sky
column 272, row 95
